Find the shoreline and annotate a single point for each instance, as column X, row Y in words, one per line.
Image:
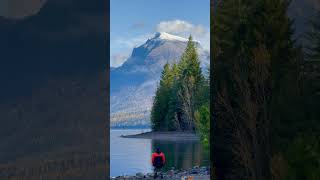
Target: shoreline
column 198, row 173
column 166, row 135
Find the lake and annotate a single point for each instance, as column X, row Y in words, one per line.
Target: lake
column 129, row 156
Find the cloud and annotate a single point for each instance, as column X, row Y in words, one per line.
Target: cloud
column 184, row 29
column 180, row 27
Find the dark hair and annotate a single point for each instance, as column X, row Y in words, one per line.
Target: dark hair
column 158, row 150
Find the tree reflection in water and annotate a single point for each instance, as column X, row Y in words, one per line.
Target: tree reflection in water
column 182, row 154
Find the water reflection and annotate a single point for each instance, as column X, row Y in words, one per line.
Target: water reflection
column 182, row 154
column 129, row 156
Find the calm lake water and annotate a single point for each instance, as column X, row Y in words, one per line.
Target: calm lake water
column 129, row 156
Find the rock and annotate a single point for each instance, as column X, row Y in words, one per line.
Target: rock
column 171, row 172
column 150, row 174
column 196, row 173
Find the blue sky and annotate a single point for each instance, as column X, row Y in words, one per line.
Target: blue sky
column 134, row 21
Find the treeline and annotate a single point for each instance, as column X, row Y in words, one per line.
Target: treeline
column 266, row 93
column 182, row 98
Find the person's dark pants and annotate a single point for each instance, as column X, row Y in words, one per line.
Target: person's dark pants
column 157, row 171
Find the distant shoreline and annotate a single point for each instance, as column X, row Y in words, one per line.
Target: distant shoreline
column 130, row 127
column 166, row 135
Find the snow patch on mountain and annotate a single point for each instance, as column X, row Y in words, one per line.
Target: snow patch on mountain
column 167, row 36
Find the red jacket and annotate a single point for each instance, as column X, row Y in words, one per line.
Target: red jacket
column 154, row 155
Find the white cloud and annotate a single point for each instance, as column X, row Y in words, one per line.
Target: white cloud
column 184, row 29
column 180, row 27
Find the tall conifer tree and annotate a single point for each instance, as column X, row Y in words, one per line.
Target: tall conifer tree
column 189, row 83
column 161, row 99
column 313, row 38
column 254, row 58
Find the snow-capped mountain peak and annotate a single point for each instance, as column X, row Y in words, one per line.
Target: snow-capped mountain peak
column 167, row 36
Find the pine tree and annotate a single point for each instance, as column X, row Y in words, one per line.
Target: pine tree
column 161, row 99
column 254, row 62
column 173, row 110
column 189, row 82
column 313, row 40
column 202, row 113
column 231, row 55
column 180, row 93
column 190, row 64
column 301, row 142
column 202, row 118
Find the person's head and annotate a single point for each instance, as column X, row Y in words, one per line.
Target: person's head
column 158, row 150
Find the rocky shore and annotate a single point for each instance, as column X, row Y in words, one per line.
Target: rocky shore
column 195, row 173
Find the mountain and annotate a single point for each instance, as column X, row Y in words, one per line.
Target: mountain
column 132, row 85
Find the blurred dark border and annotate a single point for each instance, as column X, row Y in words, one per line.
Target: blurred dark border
column 54, row 95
